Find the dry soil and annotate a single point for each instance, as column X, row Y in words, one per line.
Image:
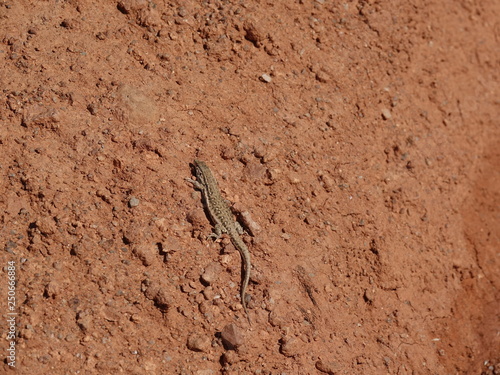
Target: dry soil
column 358, row 143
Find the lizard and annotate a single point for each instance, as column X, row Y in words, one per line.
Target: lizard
column 222, row 218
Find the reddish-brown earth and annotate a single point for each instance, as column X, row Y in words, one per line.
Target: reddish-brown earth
column 360, row 139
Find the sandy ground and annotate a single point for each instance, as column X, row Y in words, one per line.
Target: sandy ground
column 358, row 143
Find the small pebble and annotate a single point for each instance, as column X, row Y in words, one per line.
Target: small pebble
column 136, row 318
column 369, row 295
column 157, row 293
column 386, row 114
column 198, row 343
column 330, row 368
column 133, row 202
column 229, row 357
column 84, row 322
column 163, row 300
column 52, row 289
column 290, row 346
column 146, row 253
column 266, row 78
column 211, row 273
column 231, row 337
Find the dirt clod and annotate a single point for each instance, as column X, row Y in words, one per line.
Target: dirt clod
column 231, row 337
column 198, row 343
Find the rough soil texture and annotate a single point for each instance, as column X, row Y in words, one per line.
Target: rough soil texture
column 358, row 142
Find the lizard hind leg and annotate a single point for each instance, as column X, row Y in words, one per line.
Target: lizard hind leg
column 218, row 230
column 239, row 228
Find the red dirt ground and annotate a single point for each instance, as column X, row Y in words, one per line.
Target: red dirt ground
column 360, row 141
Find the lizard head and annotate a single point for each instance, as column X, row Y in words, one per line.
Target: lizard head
column 201, row 170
